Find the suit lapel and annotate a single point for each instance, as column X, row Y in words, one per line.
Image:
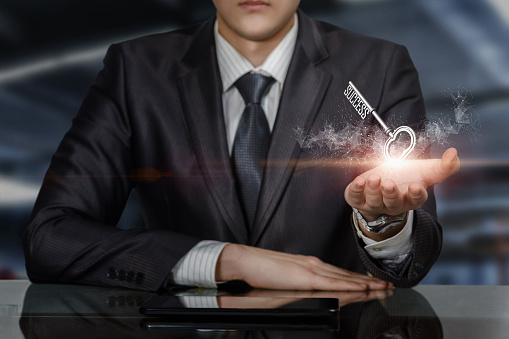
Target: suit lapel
column 304, row 90
column 200, row 92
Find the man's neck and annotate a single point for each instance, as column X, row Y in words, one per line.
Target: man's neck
column 255, row 51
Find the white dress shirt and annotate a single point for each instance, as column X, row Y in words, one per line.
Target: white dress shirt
column 198, row 266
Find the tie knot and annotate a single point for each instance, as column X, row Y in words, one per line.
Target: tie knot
column 253, row 87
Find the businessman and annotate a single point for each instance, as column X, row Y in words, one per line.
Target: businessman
column 198, row 122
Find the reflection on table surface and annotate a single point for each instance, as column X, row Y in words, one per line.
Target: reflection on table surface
column 427, row 311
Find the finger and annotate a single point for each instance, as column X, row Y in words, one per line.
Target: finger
column 333, row 272
column 344, row 283
column 319, row 282
column 338, row 273
column 374, row 198
column 317, row 266
column 354, row 193
column 392, row 197
column 448, row 165
column 342, row 271
column 417, row 195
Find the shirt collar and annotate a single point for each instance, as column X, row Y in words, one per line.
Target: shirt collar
column 233, row 65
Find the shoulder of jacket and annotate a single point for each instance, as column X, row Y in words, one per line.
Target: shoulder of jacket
column 168, row 43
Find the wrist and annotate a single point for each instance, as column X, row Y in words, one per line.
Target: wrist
column 369, row 217
column 382, row 228
column 227, row 267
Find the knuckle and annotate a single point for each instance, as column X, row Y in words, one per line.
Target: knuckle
column 390, row 197
column 313, row 260
column 332, row 281
column 419, row 200
column 375, row 205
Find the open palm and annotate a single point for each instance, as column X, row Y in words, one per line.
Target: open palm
column 393, row 188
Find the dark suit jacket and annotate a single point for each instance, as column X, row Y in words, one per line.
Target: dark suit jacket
column 153, row 122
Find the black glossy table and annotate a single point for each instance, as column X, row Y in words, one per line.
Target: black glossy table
column 426, row 311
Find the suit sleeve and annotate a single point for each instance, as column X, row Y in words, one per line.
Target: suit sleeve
column 401, row 103
column 72, row 235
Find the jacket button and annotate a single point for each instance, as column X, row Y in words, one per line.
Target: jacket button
column 121, row 275
column 111, row 301
column 139, row 278
column 130, row 276
column 112, row 273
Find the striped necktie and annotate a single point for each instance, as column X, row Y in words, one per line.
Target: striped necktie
column 251, row 141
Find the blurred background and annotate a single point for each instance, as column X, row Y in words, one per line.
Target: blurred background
column 52, row 50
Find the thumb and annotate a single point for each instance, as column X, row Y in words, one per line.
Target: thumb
column 448, row 165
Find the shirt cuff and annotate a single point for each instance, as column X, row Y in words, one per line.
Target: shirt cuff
column 198, row 266
column 396, row 248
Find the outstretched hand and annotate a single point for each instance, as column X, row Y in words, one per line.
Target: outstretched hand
column 395, row 188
